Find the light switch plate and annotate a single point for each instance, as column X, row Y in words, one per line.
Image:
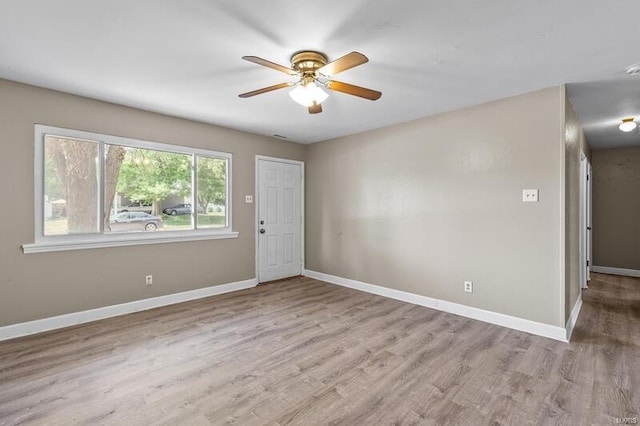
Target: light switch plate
column 248, row 199
column 529, row 195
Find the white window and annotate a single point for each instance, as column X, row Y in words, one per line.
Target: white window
column 95, row 190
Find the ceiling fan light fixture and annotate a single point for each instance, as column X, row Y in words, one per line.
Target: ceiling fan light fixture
column 308, row 94
column 627, row 125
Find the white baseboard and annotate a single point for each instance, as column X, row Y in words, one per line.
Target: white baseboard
column 573, row 318
column 61, row 321
column 520, row 324
column 616, row 271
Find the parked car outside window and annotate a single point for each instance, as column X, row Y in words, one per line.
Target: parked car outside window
column 178, row 209
column 134, row 221
column 137, row 206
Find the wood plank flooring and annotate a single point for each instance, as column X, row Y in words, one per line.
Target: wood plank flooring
column 305, row 352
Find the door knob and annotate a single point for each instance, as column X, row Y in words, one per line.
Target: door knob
column 262, row 231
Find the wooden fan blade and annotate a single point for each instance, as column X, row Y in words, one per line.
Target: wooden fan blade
column 315, row 108
column 265, row 90
column 348, row 61
column 269, row 64
column 351, row 89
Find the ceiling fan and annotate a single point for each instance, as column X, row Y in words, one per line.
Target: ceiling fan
column 313, row 72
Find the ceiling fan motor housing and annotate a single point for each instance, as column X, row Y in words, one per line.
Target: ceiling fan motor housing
column 308, row 62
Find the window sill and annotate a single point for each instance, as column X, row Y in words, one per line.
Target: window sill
column 120, row 241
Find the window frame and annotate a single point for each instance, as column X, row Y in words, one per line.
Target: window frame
column 46, row 243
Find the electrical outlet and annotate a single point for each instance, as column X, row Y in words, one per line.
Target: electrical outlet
column 248, row 199
column 468, row 287
column 529, row 195
column 148, row 280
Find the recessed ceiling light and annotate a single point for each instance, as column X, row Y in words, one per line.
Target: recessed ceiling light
column 633, row 69
column 627, row 125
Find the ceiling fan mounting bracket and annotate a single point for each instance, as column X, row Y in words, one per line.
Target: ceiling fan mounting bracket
column 307, row 62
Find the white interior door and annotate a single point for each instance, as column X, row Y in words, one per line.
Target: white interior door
column 589, row 219
column 279, row 219
column 585, row 226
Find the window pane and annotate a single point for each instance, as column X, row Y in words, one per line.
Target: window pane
column 149, row 190
column 71, row 175
column 146, row 188
column 212, row 192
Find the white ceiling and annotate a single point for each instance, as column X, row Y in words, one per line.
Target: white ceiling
column 184, row 57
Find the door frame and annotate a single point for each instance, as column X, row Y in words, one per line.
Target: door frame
column 256, row 201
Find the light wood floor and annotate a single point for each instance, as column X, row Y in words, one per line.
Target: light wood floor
column 305, row 352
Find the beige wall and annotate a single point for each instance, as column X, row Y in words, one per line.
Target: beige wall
column 420, row 207
column 42, row 285
column 616, row 208
column 574, row 143
column 425, row 205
